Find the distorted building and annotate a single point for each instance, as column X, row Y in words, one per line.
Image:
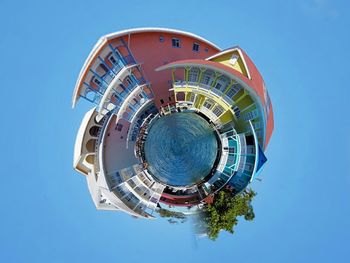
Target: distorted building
column 174, row 120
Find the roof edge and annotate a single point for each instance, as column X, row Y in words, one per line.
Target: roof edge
column 102, row 40
column 158, row 29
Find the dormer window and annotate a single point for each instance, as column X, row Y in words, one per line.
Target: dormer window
column 233, row 59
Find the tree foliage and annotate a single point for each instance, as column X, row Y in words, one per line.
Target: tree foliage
column 222, row 214
column 174, row 217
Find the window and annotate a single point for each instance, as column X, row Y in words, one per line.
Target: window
column 115, row 179
column 112, row 59
column 161, row 39
column 101, row 70
column 180, row 96
column 233, row 90
column 193, row 75
column 175, row 42
column 161, row 101
column 169, row 98
column 104, row 67
column 206, row 49
column 207, row 78
column 195, row 47
column 231, row 158
column 218, row 85
column 119, row 127
column 120, row 89
column 237, row 111
column 96, row 81
column 250, row 149
column 90, row 145
column 233, row 59
column 222, row 83
column 259, row 134
column 218, row 111
column 192, row 96
column 248, row 116
column 94, row 131
column 153, row 200
column 257, row 125
column 251, row 115
column 128, row 80
column 208, row 104
column 132, row 183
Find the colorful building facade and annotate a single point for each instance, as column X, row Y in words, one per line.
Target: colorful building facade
column 136, row 77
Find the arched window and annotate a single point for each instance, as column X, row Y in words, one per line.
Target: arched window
column 94, row 130
column 90, row 158
column 90, row 145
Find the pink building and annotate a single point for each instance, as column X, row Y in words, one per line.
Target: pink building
column 139, row 78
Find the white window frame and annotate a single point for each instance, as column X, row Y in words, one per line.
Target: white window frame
column 176, row 41
column 233, row 59
column 208, row 104
column 195, row 44
column 218, row 110
column 193, row 75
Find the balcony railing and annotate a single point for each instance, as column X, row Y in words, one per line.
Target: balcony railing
column 106, row 79
column 128, row 60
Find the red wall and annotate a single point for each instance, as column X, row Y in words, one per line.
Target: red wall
column 147, row 48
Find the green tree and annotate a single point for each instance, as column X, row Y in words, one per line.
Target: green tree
column 222, row 214
column 174, row 217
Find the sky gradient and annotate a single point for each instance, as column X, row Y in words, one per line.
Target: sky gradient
column 302, row 208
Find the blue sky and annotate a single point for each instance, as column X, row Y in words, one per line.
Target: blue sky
column 302, row 207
